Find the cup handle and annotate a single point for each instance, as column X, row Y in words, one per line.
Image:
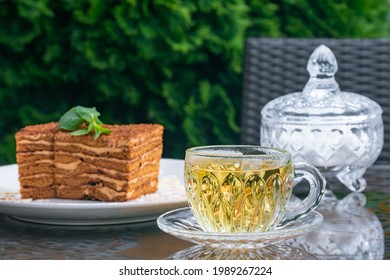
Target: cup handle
column 317, row 188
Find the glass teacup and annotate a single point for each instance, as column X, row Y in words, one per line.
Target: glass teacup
column 246, row 188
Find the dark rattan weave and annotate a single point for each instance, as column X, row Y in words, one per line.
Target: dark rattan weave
column 275, row 67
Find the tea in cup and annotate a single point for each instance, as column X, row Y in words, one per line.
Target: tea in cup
column 246, row 188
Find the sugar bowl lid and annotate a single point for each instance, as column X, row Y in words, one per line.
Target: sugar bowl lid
column 321, row 99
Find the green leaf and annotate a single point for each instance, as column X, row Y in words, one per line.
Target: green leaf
column 101, row 128
column 77, row 116
column 80, row 132
column 90, row 127
column 70, row 120
column 97, row 134
column 88, row 114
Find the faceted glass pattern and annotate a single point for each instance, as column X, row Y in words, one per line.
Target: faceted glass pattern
column 341, row 150
column 341, row 133
column 239, row 201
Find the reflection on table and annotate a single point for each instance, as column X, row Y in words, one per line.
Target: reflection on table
column 23, row 240
column 349, row 231
column 343, row 238
column 270, row 252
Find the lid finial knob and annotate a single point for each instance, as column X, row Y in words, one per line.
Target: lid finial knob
column 322, row 62
column 322, row 88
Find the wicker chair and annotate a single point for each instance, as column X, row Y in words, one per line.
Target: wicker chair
column 275, row 67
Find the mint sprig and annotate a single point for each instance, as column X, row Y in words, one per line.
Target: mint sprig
column 79, row 115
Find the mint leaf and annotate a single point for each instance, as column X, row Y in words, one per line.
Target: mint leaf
column 102, row 129
column 90, row 127
column 78, row 116
column 88, row 114
column 97, row 134
column 80, row 132
column 70, row 120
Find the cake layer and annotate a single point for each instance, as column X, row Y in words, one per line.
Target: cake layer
column 86, row 168
column 104, row 193
column 37, row 132
column 104, row 181
column 36, row 138
column 42, row 145
column 37, row 167
column 124, row 142
column 37, row 193
column 37, row 181
column 108, row 152
column 27, row 157
column 67, row 163
column 121, row 136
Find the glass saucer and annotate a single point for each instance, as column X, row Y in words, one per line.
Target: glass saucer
column 182, row 224
column 271, row 252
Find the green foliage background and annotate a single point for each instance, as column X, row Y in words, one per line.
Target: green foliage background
column 174, row 62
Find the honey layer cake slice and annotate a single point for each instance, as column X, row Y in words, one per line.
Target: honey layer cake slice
column 115, row 165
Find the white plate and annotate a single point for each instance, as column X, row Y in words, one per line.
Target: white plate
column 170, row 195
column 182, row 224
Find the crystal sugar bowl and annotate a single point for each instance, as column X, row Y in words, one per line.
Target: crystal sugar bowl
column 341, row 133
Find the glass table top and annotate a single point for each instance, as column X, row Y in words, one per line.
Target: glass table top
column 144, row 240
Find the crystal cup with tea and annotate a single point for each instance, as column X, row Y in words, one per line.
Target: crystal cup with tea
column 247, row 188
